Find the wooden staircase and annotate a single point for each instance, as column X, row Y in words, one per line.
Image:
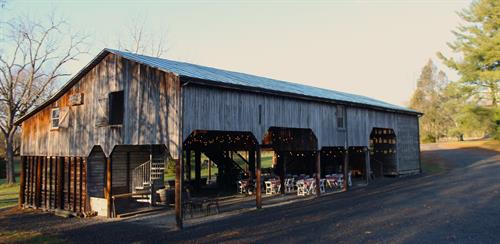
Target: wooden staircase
column 229, row 170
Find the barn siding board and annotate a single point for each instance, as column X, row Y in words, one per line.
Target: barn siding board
column 208, row 108
column 150, row 116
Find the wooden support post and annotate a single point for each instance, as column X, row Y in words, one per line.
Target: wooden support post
column 38, row 194
column 346, row 165
column 128, row 172
column 188, row 166
column 59, row 183
column 28, row 181
column 49, row 187
column 258, row 191
column 281, row 163
column 209, row 170
column 80, row 161
column 67, row 162
column 318, row 173
column 75, row 180
column 45, row 176
column 251, row 161
column 197, row 169
column 22, row 183
column 109, row 192
column 178, row 192
column 367, row 164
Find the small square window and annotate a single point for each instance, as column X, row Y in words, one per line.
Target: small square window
column 54, row 118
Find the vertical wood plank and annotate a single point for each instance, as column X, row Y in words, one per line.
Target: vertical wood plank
column 61, row 178
column 45, row 188
column 67, row 164
column 38, row 194
column 108, row 185
column 75, row 180
column 258, row 191
column 318, row 172
column 197, row 168
column 80, row 161
column 51, row 184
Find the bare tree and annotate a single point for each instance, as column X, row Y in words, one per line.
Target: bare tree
column 142, row 40
column 32, row 59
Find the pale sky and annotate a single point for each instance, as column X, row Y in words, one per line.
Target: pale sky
column 372, row 48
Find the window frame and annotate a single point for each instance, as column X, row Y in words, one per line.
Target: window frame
column 342, row 116
column 115, row 121
column 52, row 118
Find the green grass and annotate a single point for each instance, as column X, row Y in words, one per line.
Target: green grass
column 27, row 237
column 9, row 194
column 266, row 162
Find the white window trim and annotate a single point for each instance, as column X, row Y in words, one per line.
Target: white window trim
column 52, row 118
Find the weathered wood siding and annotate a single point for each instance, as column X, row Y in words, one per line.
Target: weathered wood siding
column 209, row 108
column 54, row 183
column 150, row 114
column 407, row 140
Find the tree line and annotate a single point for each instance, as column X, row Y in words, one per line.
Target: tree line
column 467, row 107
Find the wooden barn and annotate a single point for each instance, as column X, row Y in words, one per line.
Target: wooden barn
column 111, row 130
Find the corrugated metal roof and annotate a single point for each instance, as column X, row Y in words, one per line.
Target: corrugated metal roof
column 226, row 77
column 241, row 79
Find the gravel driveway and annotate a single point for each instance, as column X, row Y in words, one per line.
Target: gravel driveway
column 461, row 204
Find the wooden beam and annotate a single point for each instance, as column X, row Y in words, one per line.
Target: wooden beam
column 188, row 165
column 281, row 163
column 28, row 183
column 346, row 165
column 67, row 162
column 251, row 161
column 318, row 173
column 51, row 182
column 209, row 170
column 22, row 183
column 128, row 172
column 197, row 168
column 75, row 180
column 45, row 173
column 38, row 194
column 60, row 185
column 109, row 185
column 178, row 192
column 258, row 192
column 81, row 184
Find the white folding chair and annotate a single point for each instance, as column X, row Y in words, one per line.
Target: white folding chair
column 312, row 188
column 301, row 191
column 269, row 188
column 322, row 185
column 289, row 185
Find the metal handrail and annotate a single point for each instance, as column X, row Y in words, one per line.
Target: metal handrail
column 141, row 175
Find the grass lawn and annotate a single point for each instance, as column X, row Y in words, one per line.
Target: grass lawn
column 493, row 145
column 27, row 237
column 266, row 162
column 10, row 193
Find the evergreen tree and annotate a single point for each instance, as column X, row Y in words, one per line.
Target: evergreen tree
column 478, row 43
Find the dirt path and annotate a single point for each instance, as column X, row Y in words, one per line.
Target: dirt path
column 461, row 204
